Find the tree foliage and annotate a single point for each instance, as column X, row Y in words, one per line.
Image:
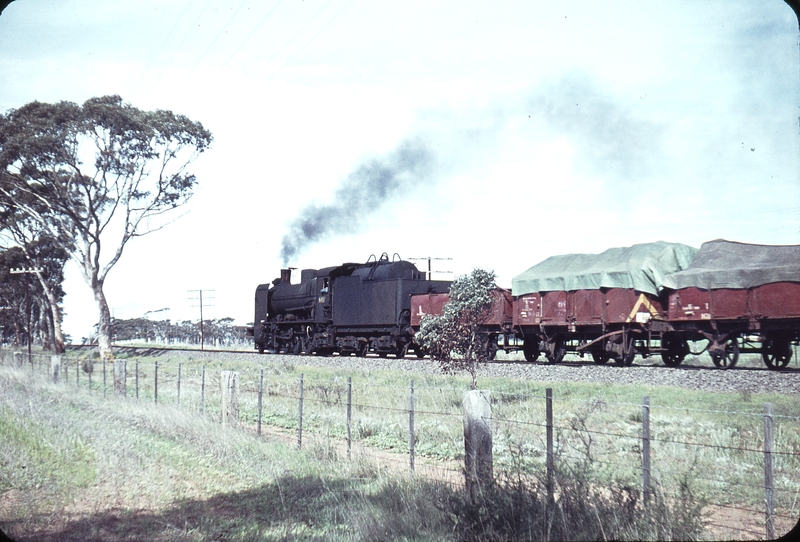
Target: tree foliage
column 453, row 339
column 95, row 176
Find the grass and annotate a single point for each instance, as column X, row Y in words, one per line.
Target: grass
column 163, row 472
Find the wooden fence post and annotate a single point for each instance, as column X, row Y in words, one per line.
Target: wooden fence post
column 155, row 383
column 769, row 482
column 179, row 384
column 478, row 466
column 349, row 413
column 55, row 367
column 137, row 379
column 104, row 377
column 411, row 437
column 646, row 449
column 229, row 382
column 120, row 378
column 260, row 394
column 300, row 415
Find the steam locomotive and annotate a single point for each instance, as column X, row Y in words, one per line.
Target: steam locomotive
column 647, row 299
column 349, row 309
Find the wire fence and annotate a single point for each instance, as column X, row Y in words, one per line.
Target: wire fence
column 744, row 464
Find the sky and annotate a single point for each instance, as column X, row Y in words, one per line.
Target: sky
column 486, row 134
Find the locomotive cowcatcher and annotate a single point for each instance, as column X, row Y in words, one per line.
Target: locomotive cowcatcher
column 353, row 308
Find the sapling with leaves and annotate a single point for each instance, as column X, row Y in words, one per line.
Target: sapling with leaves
column 454, row 338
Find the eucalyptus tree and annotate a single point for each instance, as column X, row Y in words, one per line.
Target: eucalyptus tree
column 453, row 339
column 44, row 257
column 94, row 176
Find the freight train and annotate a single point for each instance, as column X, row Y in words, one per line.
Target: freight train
column 647, row 299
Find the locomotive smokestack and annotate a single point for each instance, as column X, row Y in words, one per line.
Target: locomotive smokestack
column 361, row 193
column 286, row 275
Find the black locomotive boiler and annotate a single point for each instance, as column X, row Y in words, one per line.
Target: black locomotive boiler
column 353, row 308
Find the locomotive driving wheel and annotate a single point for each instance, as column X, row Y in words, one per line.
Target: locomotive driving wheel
column 726, row 357
column 776, row 352
column 297, row 345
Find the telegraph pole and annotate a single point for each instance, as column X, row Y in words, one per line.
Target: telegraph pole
column 200, row 297
column 429, row 258
column 27, row 271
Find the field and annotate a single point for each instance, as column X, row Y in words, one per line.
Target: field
column 78, row 465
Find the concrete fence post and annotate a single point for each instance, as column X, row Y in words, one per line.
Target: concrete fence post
column 477, row 441
column 55, row 368
column 120, row 378
column 18, row 360
column 229, row 382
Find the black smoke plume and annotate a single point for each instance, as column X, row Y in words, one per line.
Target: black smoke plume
column 362, row 193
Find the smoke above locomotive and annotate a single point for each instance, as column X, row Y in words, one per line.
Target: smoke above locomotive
column 360, row 194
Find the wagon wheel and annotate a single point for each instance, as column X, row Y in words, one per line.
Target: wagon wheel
column 530, row 349
column 599, row 356
column 419, row 351
column 675, row 350
column 362, row 349
column 728, row 358
column 776, row 352
column 489, row 346
column 558, row 350
column 628, row 353
column 260, row 347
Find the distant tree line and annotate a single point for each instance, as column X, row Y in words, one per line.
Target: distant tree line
column 216, row 332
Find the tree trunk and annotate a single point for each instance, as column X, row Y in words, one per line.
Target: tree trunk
column 104, row 323
column 55, row 313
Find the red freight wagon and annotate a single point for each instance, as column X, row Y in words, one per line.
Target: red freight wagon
column 497, row 324
column 602, row 303
column 739, row 297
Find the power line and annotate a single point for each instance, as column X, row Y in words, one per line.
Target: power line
column 210, row 45
column 258, row 26
column 314, row 37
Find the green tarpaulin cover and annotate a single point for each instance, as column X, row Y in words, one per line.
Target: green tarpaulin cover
column 727, row 264
column 641, row 267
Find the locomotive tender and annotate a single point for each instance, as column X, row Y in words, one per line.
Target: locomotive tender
column 352, row 308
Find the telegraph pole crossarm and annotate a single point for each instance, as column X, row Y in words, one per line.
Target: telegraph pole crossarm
column 429, row 258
